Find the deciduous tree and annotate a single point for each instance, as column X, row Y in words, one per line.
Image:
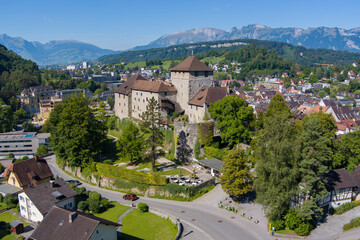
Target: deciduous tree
column 236, row 178
column 233, row 118
column 131, row 144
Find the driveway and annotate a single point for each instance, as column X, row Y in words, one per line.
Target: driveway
column 201, row 220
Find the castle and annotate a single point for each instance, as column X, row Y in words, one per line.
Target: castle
column 191, row 92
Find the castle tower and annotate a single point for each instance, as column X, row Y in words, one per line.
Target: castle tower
column 189, row 77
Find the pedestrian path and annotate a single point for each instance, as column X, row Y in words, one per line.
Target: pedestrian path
column 332, row 227
column 122, row 217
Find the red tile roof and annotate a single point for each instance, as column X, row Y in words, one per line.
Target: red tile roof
column 125, row 88
column 149, row 86
column 191, row 64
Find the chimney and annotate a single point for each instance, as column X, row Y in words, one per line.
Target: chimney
column 52, row 183
column 36, row 158
column 72, row 217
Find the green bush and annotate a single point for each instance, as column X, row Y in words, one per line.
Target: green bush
column 95, row 195
column 129, row 175
column 197, row 149
column 10, row 201
column 109, row 162
column 354, row 223
column 1, row 198
column 83, row 205
column 346, row 207
column 292, row 220
column 303, row 229
column 80, row 191
column 25, row 158
column 211, row 152
column 104, row 202
column 1, row 169
column 278, row 224
column 205, row 131
column 94, row 205
column 143, row 207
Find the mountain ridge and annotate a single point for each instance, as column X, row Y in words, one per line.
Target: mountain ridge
column 55, row 51
column 313, row 37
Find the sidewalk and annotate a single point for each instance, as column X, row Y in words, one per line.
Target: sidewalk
column 332, row 228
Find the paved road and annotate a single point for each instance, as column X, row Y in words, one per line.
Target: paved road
column 201, row 221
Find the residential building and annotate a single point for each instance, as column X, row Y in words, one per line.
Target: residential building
column 35, row 202
column 30, row 172
column 30, row 97
column 60, row 224
column 22, row 143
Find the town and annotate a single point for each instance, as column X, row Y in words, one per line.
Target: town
column 247, row 133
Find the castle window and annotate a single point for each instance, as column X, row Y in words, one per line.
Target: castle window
column 206, row 74
column 140, row 94
column 165, row 93
column 196, row 74
column 196, row 108
column 190, row 106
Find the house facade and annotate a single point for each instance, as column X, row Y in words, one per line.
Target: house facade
column 36, row 202
column 188, row 92
column 31, row 172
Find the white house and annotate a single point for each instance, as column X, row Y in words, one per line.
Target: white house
column 35, row 202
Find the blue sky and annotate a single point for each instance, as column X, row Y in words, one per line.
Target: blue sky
column 122, row 24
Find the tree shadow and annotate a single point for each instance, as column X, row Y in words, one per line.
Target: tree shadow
column 245, row 198
column 124, row 236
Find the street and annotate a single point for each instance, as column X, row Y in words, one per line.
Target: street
column 201, row 221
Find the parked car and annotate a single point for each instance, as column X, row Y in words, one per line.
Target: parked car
column 131, row 197
column 75, row 182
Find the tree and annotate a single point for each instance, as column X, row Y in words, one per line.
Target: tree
column 233, row 118
column 278, row 106
column 42, row 150
column 348, row 151
column 131, row 144
column 151, row 127
column 317, row 132
column 76, row 133
column 276, row 157
column 28, row 127
column 111, row 102
column 6, row 118
column 183, row 149
column 236, row 178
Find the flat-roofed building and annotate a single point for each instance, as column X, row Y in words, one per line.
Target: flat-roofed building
column 22, row 143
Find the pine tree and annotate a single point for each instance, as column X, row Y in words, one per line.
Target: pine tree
column 151, row 127
column 317, row 152
column 183, row 149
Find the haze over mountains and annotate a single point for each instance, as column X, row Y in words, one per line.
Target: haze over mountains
column 320, row 37
column 53, row 52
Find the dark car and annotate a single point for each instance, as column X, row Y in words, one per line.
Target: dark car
column 75, row 182
column 131, row 197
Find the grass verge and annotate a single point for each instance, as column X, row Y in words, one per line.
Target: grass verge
column 113, row 212
column 147, row 226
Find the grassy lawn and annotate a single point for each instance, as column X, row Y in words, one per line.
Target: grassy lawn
column 8, row 217
column 147, row 226
column 135, row 64
column 113, row 212
column 213, row 60
column 6, row 236
column 174, row 172
column 2, row 206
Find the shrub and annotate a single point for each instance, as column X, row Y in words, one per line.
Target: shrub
column 80, row 191
column 11, row 155
column 95, row 195
column 205, row 131
column 346, row 207
column 1, row 169
column 10, row 201
column 83, row 205
column 104, row 202
column 197, row 149
column 303, row 229
column 143, row 207
column 25, row 158
column 278, row 224
column 94, row 205
column 354, row 223
column 292, row 220
column 211, row 152
column 20, row 237
column 1, row 198
column 109, row 162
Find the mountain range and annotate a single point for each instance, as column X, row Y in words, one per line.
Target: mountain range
column 320, row 37
column 53, row 52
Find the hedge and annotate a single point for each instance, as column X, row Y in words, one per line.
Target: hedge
column 129, row 175
column 354, row 223
column 346, row 207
